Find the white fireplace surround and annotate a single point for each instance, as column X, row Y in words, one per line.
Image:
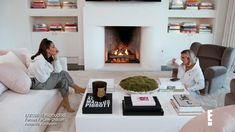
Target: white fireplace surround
column 147, row 15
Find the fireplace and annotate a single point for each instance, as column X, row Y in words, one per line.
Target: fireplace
column 122, row 44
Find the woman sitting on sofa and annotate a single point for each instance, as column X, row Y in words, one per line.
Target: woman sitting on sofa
column 46, row 72
column 189, row 72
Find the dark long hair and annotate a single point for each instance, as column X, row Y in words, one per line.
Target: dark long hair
column 44, row 45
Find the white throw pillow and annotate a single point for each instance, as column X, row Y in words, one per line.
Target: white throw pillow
column 10, row 57
column 3, row 88
column 14, row 78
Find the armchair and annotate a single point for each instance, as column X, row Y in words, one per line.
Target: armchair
column 230, row 97
column 214, row 62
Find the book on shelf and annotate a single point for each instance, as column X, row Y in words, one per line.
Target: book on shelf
column 69, row 5
column 53, row 4
column 186, row 104
column 38, row 4
column 170, row 86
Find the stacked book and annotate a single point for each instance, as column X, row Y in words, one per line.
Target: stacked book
column 189, row 27
column 70, row 27
column 166, row 85
column 41, row 27
column 69, row 5
column 38, row 4
column 192, row 4
column 177, row 4
column 141, row 105
column 205, row 28
column 174, row 27
column 56, row 27
column 55, row 4
column 186, row 105
column 205, row 6
column 91, row 106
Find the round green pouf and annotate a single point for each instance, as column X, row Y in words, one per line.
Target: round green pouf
column 138, row 84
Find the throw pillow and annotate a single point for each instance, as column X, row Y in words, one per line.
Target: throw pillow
column 14, row 78
column 3, row 88
column 10, row 57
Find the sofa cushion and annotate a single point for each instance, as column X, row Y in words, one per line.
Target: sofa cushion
column 10, row 57
column 3, row 88
column 14, row 78
column 15, row 108
column 22, row 53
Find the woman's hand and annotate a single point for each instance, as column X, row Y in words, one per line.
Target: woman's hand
column 173, row 60
column 55, row 56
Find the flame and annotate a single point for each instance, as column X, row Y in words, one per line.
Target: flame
column 115, row 52
column 126, row 52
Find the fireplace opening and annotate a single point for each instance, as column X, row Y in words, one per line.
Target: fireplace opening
column 122, row 44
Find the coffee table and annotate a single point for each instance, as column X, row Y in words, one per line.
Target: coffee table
column 116, row 122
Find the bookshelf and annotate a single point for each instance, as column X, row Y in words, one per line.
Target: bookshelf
column 63, row 27
column 183, row 40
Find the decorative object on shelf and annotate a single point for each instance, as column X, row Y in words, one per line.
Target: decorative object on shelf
column 91, row 106
column 138, row 84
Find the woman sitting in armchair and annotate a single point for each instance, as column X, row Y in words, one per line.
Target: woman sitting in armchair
column 189, row 72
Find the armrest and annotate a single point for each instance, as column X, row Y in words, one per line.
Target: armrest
column 214, row 71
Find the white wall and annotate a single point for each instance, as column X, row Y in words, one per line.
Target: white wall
column 220, row 20
column 14, row 24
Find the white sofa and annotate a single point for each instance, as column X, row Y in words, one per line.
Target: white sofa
column 16, row 107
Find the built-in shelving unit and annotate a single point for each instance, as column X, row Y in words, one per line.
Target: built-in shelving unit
column 56, row 20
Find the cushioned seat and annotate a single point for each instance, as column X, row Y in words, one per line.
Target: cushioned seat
column 214, row 61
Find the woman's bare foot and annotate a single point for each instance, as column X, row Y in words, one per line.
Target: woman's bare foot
column 66, row 105
column 80, row 90
column 77, row 89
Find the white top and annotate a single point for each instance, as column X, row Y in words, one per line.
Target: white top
column 193, row 79
column 41, row 69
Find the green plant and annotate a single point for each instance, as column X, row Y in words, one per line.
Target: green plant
column 138, row 84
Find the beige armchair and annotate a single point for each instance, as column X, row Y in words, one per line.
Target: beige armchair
column 214, row 61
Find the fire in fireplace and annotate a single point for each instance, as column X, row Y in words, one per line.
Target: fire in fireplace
column 122, row 44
